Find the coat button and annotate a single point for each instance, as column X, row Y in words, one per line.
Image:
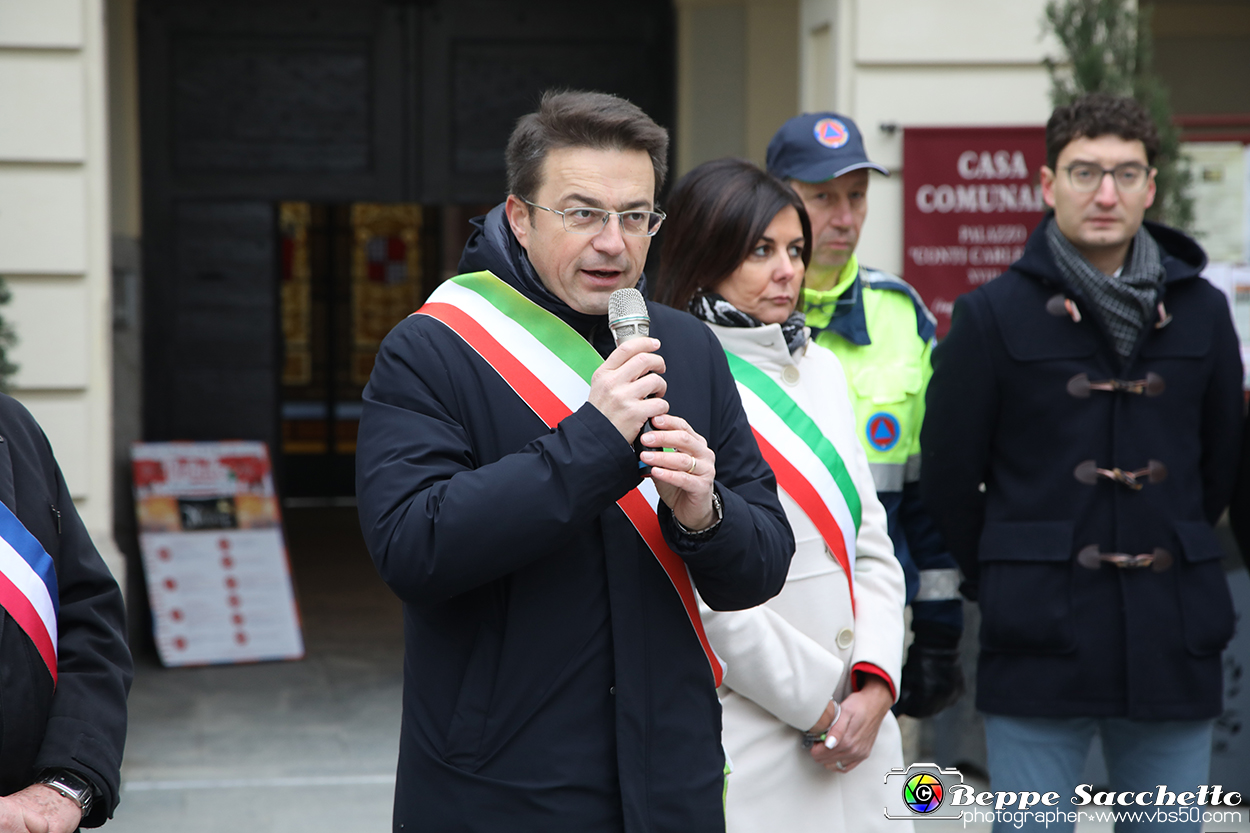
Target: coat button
column 790, row 374
column 845, row 637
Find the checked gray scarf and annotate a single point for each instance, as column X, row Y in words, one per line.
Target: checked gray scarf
column 1124, row 303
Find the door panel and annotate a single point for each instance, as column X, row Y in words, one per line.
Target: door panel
column 219, row 363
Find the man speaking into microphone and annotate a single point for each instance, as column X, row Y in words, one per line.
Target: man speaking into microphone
column 556, row 673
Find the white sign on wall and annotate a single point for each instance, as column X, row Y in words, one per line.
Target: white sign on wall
column 1219, row 193
column 1233, row 279
column 210, row 533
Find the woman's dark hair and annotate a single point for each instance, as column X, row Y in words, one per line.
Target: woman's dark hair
column 717, row 213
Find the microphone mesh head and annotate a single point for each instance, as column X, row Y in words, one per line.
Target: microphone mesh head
column 626, row 303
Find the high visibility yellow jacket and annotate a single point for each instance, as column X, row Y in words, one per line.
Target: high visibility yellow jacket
column 883, row 334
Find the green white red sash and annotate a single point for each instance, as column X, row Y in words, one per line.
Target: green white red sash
column 549, row 366
column 808, row 467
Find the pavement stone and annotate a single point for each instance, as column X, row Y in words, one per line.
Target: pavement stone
column 308, row 745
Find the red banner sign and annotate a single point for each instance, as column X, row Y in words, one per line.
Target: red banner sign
column 970, row 200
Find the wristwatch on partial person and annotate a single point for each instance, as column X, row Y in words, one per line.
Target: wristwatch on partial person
column 71, row 785
column 718, row 509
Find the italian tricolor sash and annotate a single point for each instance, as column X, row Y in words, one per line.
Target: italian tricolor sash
column 28, row 590
column 808, row 467
column 549, row 366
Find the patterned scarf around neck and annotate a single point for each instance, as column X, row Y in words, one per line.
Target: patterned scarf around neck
column 1124, row 303
column 714, row 309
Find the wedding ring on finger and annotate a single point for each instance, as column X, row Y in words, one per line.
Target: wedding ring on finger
column 693, row 464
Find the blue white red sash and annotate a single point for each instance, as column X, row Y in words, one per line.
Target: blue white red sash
column 28, row 590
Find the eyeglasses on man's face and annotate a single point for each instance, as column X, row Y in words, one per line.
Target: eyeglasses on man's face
column 585, row 220
column 1129, row 177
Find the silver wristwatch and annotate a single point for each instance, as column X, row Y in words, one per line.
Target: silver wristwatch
column 71, row 785
column 718, row 509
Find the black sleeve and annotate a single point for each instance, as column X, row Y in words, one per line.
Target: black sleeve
column 86, row 730
column 1239, row 507
column 924, row 540
column 960, row 412
column 439, row 524
column 745, row 563
column 1222, row 409
column 928, row 552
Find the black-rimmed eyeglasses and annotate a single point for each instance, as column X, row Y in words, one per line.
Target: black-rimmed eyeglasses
column 1129, row 177
column 582, row 219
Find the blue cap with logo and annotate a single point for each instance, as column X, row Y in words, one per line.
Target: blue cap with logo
column 816, row 147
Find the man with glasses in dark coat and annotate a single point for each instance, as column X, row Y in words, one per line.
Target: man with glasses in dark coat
column 1081, row 437
column 556, row 673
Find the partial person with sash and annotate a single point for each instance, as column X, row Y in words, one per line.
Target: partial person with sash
column 557, row 675
column 65, row 668
column 811, row 674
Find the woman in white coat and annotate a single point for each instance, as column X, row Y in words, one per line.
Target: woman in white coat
column 811, row 674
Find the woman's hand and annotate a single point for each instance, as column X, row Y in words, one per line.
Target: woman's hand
column 856, row 730
column 826, row 721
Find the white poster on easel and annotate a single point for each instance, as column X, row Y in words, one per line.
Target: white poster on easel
column 210, row 534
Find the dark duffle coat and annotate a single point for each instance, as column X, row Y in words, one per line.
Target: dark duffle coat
column 552, row 680
column 1009, row 407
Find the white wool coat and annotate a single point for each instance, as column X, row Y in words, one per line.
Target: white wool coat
column 786, row 658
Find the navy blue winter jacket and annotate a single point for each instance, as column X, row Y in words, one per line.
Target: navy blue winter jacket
column 552, row 680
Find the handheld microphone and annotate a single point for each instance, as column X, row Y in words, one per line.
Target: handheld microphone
column 627, row 315
column 628, row 319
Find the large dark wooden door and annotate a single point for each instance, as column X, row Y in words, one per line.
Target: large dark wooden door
column 246, row 104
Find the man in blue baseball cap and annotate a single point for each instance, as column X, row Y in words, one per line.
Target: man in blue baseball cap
column 883, row 335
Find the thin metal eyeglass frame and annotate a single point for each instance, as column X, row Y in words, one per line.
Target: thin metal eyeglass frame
column 1104, row 171
column 606, row 215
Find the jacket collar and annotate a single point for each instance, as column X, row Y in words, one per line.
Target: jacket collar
column 763, row 346
column 843, row 314
column 494, row 248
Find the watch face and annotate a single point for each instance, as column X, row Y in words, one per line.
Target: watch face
column 72, row 786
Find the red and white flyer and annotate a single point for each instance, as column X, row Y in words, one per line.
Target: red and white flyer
column 210, row 533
